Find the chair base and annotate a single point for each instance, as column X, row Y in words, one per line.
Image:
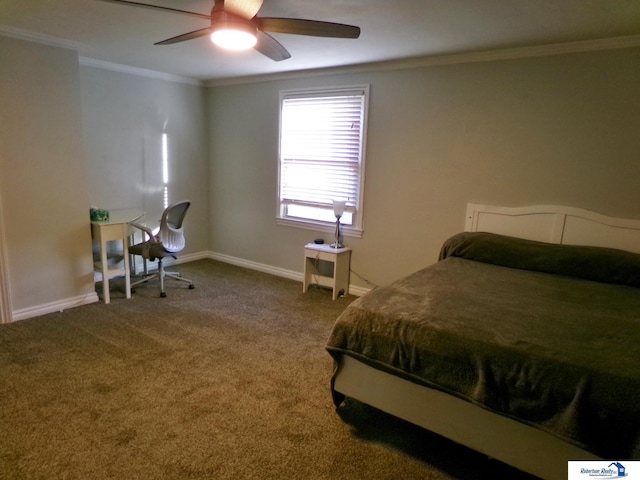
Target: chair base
column 161, row 274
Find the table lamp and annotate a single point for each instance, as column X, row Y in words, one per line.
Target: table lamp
column 338, row 210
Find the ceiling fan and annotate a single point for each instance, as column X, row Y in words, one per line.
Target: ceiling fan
column 234, row 24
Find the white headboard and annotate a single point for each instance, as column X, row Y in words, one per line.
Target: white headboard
column 555, row 224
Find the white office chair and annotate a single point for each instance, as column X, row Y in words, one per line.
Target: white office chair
column 167, row 243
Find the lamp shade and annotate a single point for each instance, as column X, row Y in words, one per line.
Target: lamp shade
column 338, row 207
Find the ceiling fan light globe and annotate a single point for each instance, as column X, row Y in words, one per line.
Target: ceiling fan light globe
column 234, row 36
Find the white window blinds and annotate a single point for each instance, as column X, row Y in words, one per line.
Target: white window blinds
column 321, row 154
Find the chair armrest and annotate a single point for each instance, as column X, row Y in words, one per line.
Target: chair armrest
column 146, row 230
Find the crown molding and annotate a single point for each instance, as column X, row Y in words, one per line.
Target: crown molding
column 92, row 62
column 402, row 64
column 20, row 34
column 142, row 72
column 448, row 59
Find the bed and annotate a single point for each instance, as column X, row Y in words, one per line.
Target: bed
column 522, row 342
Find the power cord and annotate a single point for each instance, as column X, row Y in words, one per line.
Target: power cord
column 368, row 282
column 316, row 268
column 315, row 274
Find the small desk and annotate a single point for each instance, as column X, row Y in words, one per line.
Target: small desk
column 341, row 259
column 116, row 228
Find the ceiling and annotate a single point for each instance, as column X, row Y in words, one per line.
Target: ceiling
column 391, row 30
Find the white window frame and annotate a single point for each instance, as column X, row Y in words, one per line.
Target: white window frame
column 355, row 206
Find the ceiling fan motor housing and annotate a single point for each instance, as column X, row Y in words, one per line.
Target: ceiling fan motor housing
column 223, row 20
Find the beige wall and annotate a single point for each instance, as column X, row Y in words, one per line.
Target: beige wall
column 557, row 129
column 43, row 176
column 548, row 130
column 72, row 136
column 124, row 117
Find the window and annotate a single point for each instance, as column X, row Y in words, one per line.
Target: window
column 165, row 170
column 322, row 139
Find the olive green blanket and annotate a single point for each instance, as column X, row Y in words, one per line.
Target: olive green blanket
column 551, row 350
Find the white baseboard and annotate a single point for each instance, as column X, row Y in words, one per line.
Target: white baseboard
column 92, row 297
column 280, row 272
column 260, row 267
column 57, row 306
column 241, row 262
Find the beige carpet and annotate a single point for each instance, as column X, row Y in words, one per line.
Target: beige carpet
column 227, row 381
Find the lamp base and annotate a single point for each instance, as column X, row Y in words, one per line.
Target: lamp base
column 338, row 237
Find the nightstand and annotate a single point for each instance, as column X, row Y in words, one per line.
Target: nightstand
column 341, row 259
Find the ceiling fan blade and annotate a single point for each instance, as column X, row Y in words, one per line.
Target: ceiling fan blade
column 270, row 47
column 313, row 28
column 156, row 7
column 185, row 36
column 243, row 8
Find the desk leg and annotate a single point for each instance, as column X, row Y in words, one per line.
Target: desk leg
column 127, row 271
column 105, row 274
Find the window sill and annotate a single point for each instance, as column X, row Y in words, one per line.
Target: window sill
column 347, row 231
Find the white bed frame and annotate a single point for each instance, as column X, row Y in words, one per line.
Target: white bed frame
column 555, row 224
column 524, row 447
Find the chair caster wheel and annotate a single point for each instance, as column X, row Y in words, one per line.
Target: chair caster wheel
column 163, row 294
column 191, row 286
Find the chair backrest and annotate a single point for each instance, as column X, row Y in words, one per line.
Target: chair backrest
column 171, row 234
